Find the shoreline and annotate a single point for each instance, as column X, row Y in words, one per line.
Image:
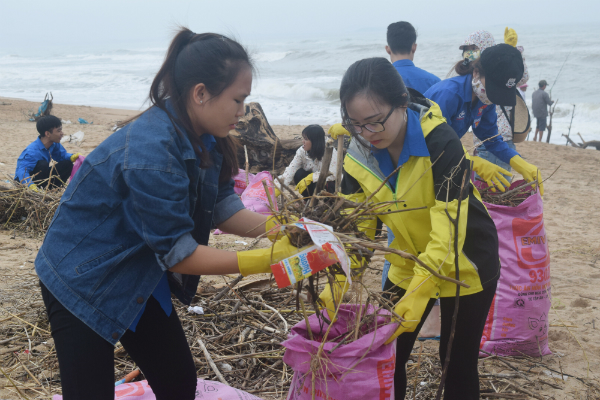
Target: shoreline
column 4, row 98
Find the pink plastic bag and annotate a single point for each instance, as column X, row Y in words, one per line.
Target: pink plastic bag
column 254, row 196
column 518, row 322
column 76, row 166
column 363, row 369
column 205, row 390
column 240, row 181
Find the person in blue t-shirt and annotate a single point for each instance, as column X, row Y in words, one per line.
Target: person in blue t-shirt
column 33, row 165
column 401, row 46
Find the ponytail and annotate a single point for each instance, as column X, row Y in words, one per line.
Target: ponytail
column 466, row 67
column 208, row 58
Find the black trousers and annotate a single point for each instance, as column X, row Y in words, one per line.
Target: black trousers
column 462, row 381
column 86, row 361
column 43, row 175
column 302, row 173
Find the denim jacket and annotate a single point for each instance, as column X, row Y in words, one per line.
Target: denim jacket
column 130, row 214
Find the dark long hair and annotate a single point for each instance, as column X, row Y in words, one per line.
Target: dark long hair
column 377, row 78
column 316, row 135
column 466, row 67
column 208, row 58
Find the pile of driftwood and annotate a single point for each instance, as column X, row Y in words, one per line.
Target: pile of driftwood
column 265, row 150
column 27, row 211
column 584, row 144
column 236, row 340
column 512, row 197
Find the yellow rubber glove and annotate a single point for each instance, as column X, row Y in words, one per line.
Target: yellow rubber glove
column 337, row 129
column 412, row 306
column 491, row 173
column 273, row 228
column 510, row 36
column 34, row 187
column 303, row 184
column 529, row 171
column 75, row 156
column 327, row 296
column 259, row 261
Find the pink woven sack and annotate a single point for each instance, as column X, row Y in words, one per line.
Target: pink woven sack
column 518, row 320
column 240, row 181
column 363, row 369
column 205, row 390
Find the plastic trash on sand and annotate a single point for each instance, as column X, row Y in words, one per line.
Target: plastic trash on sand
column 254, row 196
column 75, row 138
column 77, row 165
column 327, row 250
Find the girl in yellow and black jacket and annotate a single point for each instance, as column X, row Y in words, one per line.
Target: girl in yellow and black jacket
column 392, row 128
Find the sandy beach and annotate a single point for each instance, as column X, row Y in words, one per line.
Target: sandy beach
column 572, row 218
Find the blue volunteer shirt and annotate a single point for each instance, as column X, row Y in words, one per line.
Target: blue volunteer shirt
column 454, row 96
column 35, row 152
column 162, row 292
column 414, row 145
column 415, row 77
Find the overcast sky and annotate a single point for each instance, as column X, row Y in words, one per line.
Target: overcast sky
column 28, row 25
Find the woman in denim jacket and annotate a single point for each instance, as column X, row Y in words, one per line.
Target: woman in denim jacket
column 134, row 224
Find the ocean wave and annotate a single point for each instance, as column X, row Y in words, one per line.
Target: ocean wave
column 583, row 111
column 295, row 92
column 299, row 79
column 270, row 56
column 288, row 112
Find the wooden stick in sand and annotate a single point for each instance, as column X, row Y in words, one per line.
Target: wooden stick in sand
column 340, row 164
column 594, row 143
column 550, row 124
column 211, row 362
column 308, row 327
column 323, row 174
column 247, row 164
column 454, row 222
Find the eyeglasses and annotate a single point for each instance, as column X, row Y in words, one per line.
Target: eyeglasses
column 374, row 127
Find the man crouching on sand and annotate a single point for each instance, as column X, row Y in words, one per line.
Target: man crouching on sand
column 33, row 165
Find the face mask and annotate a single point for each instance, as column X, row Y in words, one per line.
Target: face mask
column 471, row 55
column 480, row 91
